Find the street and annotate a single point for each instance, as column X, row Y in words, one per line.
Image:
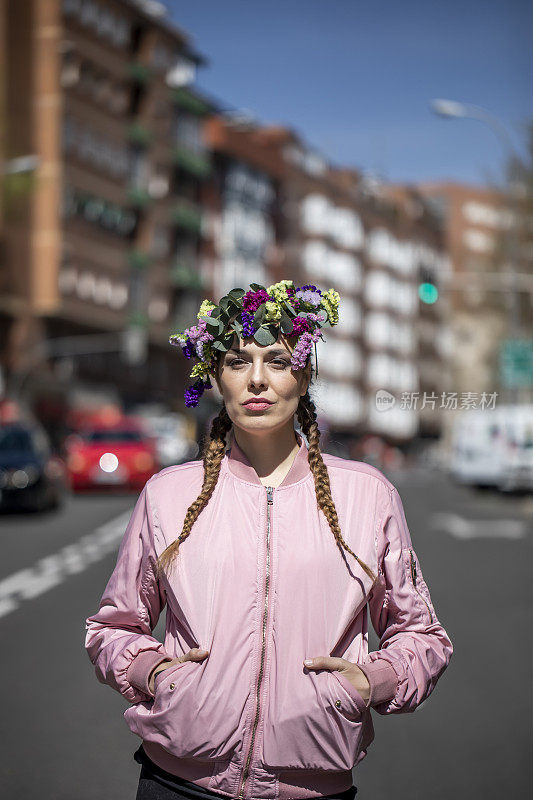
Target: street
column 64, row 735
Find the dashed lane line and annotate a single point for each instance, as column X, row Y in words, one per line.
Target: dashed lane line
column 52, row 570
column 463, row 528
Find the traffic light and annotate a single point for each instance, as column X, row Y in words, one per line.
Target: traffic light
column 427, row 286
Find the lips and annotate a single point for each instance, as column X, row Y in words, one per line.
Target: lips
column 259, row 402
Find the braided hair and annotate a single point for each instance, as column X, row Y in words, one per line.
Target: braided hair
column 212, row 455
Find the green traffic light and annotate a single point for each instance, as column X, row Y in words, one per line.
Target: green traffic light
column 428, row 292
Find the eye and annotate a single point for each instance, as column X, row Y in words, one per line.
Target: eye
column 281, row 362
column 235, row 361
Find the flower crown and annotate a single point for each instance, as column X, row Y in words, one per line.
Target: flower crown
column 259, row 313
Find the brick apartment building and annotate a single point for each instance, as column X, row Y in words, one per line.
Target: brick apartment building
column 327, row 227
column 143, row 198
column 107, row 235
column 477, row 222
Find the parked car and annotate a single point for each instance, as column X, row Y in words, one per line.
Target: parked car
column 171, row 436
column 110, row 456
column 32, row 476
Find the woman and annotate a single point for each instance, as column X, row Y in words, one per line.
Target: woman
column 264, row 685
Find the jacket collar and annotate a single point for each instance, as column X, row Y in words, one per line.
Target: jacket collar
column 240, row 466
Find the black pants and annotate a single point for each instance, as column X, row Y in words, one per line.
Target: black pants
column 157, row 784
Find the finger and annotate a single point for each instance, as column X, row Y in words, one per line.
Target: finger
column 325, row 662
column 197, row 654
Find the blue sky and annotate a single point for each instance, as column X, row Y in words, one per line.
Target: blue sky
column 355, row 79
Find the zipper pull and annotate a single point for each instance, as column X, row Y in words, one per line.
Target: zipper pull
column 413, row 567
column 269, row 490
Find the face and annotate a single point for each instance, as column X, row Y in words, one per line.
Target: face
column 249, row 370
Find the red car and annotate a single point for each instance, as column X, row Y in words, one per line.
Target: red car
column 110, row 456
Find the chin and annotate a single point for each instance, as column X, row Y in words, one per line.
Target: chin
column 256, row 422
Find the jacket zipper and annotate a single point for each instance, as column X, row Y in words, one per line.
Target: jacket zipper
column 413, row 578
column 269, row 490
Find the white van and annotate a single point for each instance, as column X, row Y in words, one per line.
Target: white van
column 494, row 447
column 518, row 463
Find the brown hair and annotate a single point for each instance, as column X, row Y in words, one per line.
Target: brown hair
column 212, row 455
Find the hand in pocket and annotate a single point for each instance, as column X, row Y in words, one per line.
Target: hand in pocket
column 196, row 654
column 350, row 671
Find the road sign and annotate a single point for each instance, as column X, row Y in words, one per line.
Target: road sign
column 516, row 363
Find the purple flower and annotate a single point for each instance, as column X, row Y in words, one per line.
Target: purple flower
column 247, row 324
column 303, row 348
column 310, row 294
column 195, row 391
column 187, row 348
column 300, row 325
column 252, row 300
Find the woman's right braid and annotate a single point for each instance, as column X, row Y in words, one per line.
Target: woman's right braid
column 212, row 455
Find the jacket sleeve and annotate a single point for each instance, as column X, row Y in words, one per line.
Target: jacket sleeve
column 118, row 637
column 414, row 648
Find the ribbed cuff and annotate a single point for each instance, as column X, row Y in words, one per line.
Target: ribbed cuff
column 383, row 680
column 140, row 669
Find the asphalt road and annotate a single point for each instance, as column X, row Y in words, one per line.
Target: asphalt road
column 64, row 737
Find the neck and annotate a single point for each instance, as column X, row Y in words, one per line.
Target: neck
column 268, row 451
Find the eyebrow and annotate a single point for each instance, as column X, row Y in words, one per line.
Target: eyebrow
column 276, row 352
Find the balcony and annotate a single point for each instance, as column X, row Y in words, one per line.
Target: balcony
column 137, row 259
column 187, row 100
column 197, row 164
column 188, row 216
column 138, row 319
column 138, row 197
column 139, row 135
column 184, row 276
column 139, row 72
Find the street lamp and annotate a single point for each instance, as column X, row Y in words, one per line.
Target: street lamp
column 454, row 110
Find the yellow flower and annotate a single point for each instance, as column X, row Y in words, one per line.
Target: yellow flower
column 330, row 301
column 206, row 306
column 273, row 311
column 200, row 370
column 279, row 290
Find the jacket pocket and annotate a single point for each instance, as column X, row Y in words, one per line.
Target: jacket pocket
column 349, row 700
column 163, row 675
column 321, row 725
column 186, row 715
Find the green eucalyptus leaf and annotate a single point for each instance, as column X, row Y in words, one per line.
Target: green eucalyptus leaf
column 289, row 309
column 264, row 337
column 214, row 326
column 273, row 329
column 227, row 340
column 256, row 287
column 233, row 308
column 237, row 293
column 285, row 322
column 259, row 316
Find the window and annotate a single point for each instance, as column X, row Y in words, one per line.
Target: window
column 188, row 132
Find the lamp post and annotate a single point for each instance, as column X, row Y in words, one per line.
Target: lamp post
column 455, row 110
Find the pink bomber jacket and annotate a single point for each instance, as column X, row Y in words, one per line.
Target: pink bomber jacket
column 261, row 583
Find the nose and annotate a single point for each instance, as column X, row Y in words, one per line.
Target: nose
column 258, row 375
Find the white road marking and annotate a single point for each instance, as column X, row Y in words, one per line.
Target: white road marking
column 54, row 569
column 463, row 528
